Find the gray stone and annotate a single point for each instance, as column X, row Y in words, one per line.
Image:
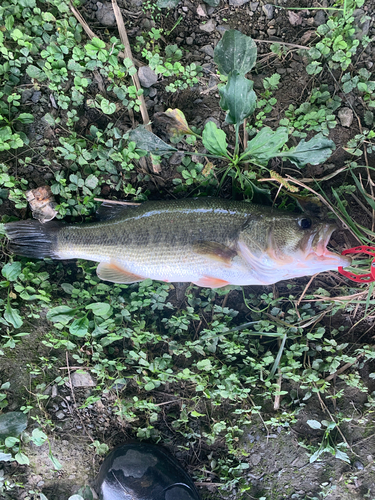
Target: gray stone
column 60, row 415
column 345, row 116
column 222, row 28
column 320, row 18
column 213, row 120
column 269, row 10
column 147, row 76
column 207, row 49
column 254, row 6
column 83, row 379
column 362, row 27
column 26, row 95
column 189, row 40
column 208, row 27
column 238, row 3
column 152, row 93
column 105, row 14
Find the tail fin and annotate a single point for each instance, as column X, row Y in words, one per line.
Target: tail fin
column 30, row 238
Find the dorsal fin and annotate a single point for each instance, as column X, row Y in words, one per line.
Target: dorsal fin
column 109, row 210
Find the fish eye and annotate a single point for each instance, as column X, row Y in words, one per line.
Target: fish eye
column 305, row 223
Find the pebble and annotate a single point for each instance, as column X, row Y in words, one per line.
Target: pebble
column 82, row 380
column 60, row 415
column 269, row 10
column 152, row 93
column 345, row 116
column 320, row 18
column 207, row 49
column 358, row 465
column 147, row 76
column 208, row 27
column 105, row 14
column 254, row 6
column 189, row 40
column 238, row 3
column 222, row 28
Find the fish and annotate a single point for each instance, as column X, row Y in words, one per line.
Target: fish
column 210, row 242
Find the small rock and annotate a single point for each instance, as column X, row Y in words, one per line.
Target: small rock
column 26, row 95
column 147, row 76
column 83, row 379
column 207, row 49
column 254, row 6
column 271, row 31
column 213, row 120
column 362, row 27
column 222, row 28
column 176, row 158
column 36, row 96
column 294, row 18
column 237, row 3
column 105, row 14
column 358, row 465
column 189, row 40
column 60, row 415
column 152, row 93
column 269, row 10
column 345, row 116
column 208, row 27
column 201, row 10
column 320, row 18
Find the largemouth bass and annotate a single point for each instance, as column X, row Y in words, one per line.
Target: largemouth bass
column 210, row 242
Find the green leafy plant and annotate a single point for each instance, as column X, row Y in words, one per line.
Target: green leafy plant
column 235, row 56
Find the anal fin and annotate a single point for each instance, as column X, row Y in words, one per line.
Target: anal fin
column 211, row 282
column 114, row 272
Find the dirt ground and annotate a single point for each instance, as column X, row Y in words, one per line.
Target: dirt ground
column 278, row 464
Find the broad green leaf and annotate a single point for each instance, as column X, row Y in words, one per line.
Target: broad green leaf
column 214, row 140
column 38, row 437
column 315, row 151
column 99, row 308
column 54, row 460
column 92, row 181
column 21, row 458
column 238, row 98
column 11, row 271
column 36, row 73
column 25, row 118
column 235, row 52
column 11, row 441
column 12, row 316
column 342, row 456
column 314, row 424
column 12, row 424
column 61, row 314
column 79, row 327
column 266, row 144
column 150, row 142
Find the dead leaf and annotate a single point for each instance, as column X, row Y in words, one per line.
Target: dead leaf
column 306, row 37
column 174, row 122
column 42, row 203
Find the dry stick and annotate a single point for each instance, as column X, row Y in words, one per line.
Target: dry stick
column 116, row 202
column 128, row 53
column 343, row 368
column 306, row 288
column 283, row 43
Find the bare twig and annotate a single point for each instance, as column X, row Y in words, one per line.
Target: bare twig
column 283, row 43
column 116, row 202
column 343, row 368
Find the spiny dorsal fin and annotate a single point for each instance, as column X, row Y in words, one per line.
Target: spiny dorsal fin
column 108, row 210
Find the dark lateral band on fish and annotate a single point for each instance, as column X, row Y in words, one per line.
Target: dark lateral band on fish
column 208, row 241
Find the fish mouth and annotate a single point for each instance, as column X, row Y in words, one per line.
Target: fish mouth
column 319, row 251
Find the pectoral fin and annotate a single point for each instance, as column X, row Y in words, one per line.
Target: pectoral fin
column 112, row 271
column 214, row 250
column 211, row 282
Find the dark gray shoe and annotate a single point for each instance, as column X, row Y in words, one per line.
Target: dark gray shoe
column 140, row 471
